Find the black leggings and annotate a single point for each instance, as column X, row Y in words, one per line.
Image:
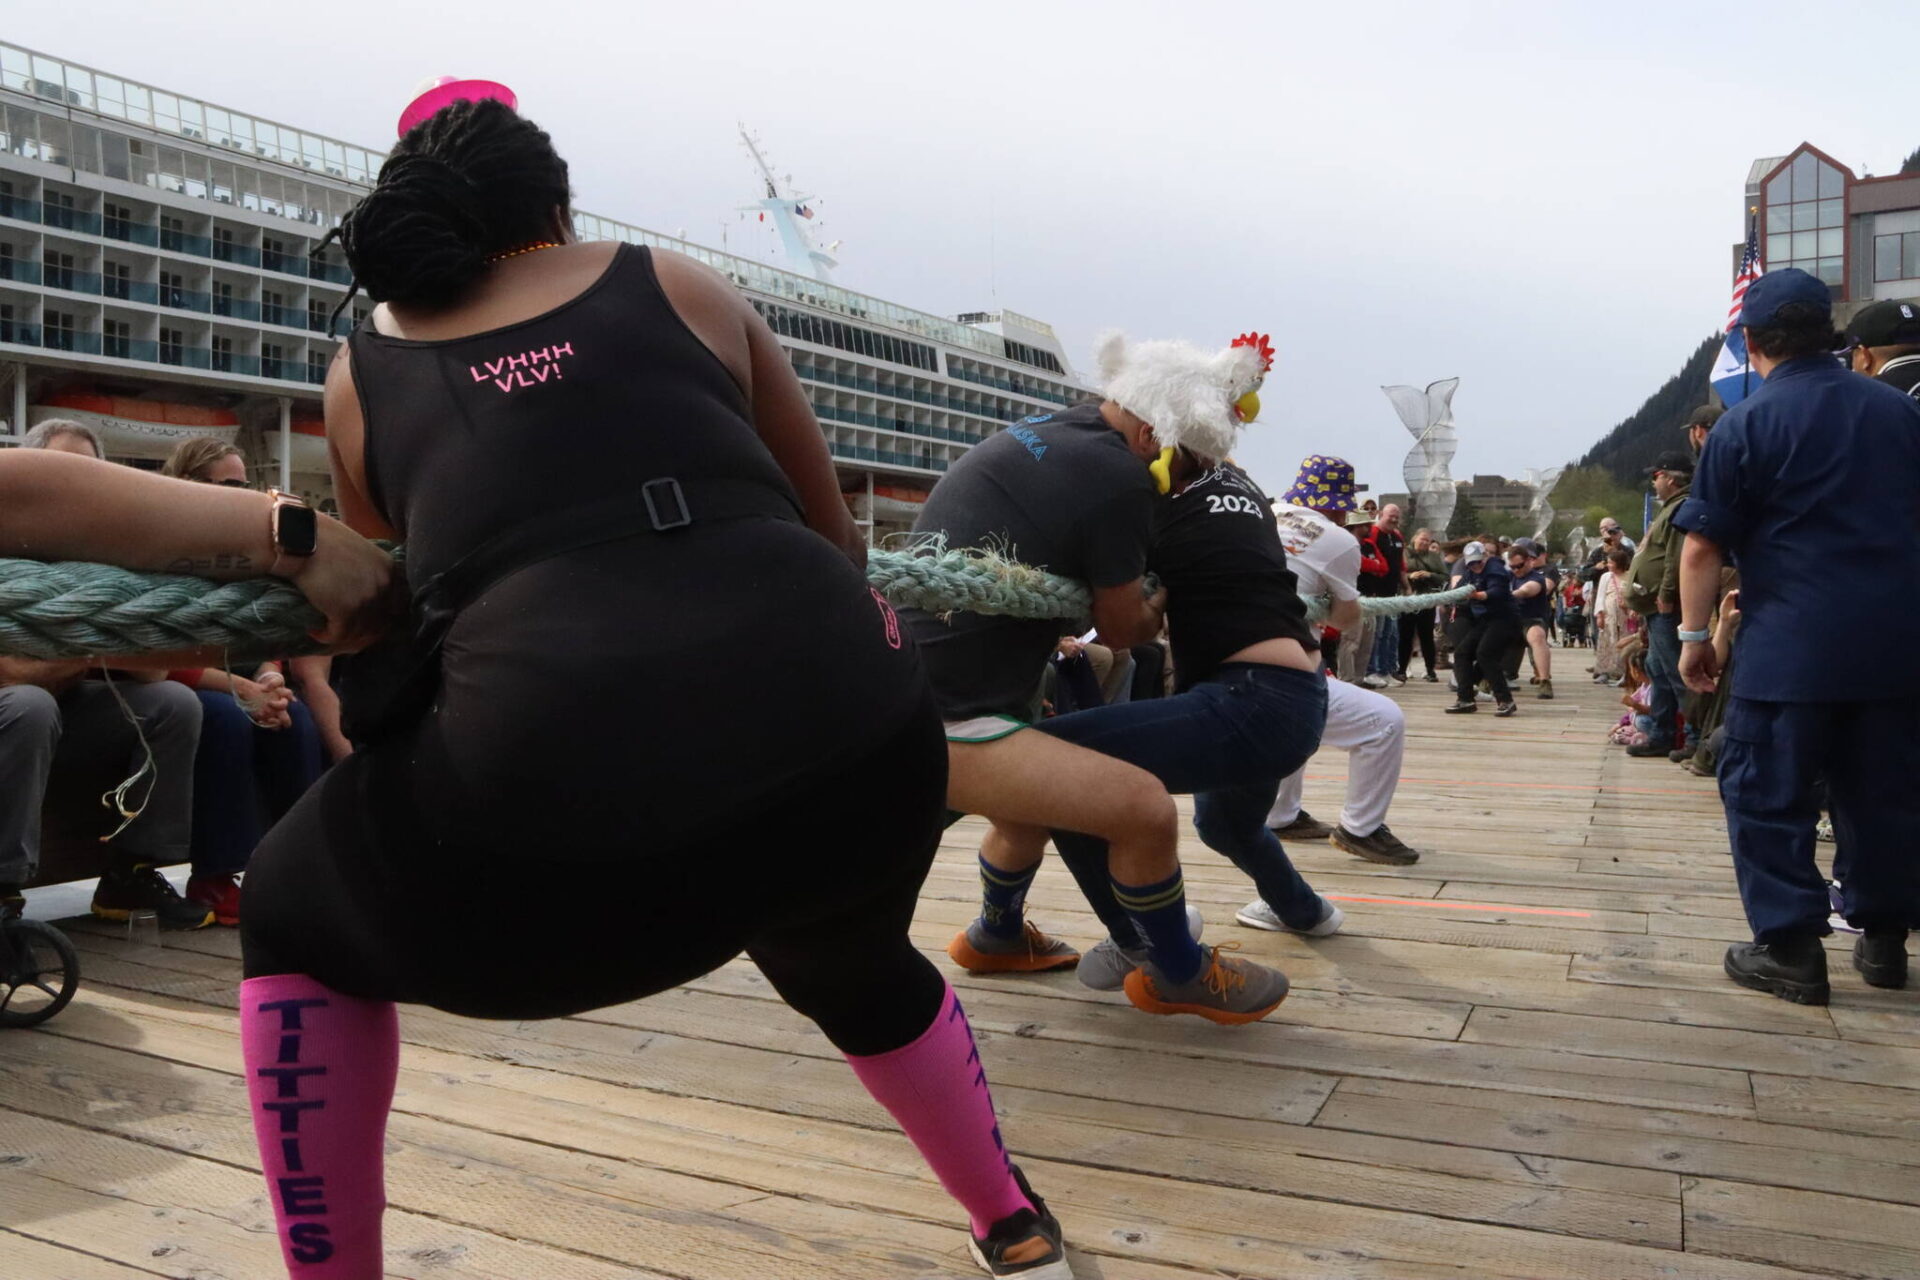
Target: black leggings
column 817, row 885
column 1481, row 655
column 1418, row 624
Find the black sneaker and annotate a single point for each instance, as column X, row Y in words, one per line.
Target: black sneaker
column 1881, row 958
column 1432, row 678
column 1381, row 846
column 142, row 888
column 1461, row 709
column 1025, row 1244
column 1505, row 709
column 1303, row 827
column 1650, row 748
column 1795, row 970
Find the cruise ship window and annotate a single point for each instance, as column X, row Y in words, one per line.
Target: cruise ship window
column 222, row 354
column 116, row 338
column 61, row 327
column 173, row 345
column 59, row 270
column 173, row 287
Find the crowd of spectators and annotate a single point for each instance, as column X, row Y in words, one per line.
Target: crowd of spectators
column 211, row 756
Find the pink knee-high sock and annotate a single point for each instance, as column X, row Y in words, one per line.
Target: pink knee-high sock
column 936, row 1088
column 320, row 1072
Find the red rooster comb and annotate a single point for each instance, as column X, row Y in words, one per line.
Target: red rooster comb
column 1258, row 341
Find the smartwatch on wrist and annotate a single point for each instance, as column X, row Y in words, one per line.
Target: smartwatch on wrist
column 295, row 531
column 1694, row 637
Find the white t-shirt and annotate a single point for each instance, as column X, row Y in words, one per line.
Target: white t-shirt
column 1322, row 554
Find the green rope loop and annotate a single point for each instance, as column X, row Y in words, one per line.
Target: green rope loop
column 73, row 610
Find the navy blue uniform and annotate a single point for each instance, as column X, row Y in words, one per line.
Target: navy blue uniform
column 1493, row 628
column 1812, row 484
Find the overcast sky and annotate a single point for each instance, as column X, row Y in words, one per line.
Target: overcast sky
column 1536, row 197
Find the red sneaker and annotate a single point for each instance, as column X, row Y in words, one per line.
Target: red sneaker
column 219, row 894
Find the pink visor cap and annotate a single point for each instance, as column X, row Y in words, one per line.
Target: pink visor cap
column 446, row 90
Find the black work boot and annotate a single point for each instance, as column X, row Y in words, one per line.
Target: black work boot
column 1881, row 957
column 1794, row 969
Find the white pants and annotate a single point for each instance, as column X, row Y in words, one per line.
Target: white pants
column 1371, row 728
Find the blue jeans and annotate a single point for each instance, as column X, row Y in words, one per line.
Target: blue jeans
column 1386, row 646
column 1663, row 673
column 245, row 778
column 1770, row 765
column 1228, row 742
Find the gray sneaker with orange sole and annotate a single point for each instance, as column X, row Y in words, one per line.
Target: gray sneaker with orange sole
column 1030, row 951
column 1227, row 990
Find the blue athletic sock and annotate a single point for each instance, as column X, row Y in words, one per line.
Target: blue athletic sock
column 1160, row 912
column 1003, row 899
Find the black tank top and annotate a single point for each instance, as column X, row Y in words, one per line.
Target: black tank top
column 622, row 695
column 467, row 436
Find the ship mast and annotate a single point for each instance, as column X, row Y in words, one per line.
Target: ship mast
column 791, row 214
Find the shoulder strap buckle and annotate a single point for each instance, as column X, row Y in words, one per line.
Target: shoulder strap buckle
column 677, row 514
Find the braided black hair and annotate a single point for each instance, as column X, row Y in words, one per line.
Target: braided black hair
column 473, row 179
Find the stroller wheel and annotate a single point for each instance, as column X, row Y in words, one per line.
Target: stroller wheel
column 39, row 972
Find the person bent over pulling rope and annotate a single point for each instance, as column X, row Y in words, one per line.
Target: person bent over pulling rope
column 1073, row 492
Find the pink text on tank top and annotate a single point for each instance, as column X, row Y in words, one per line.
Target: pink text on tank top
column 888, row 618
column 527, row 369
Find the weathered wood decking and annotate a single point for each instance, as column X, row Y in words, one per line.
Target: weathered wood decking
column 1520, row 1059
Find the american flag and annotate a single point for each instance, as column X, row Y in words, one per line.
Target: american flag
column 1732, row 376
column 1751, row 269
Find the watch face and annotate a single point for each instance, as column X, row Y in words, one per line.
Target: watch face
column 295, row 529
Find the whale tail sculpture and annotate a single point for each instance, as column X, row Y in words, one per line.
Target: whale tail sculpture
column 1541, row 507
column 1428, row 416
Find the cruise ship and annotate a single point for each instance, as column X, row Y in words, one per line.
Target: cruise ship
column 158, row 280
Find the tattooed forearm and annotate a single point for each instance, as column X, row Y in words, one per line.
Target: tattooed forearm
column 223, row 563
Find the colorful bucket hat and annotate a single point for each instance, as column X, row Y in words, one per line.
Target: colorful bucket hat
column 1324, row 484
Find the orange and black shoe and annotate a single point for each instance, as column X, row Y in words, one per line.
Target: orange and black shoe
column 123, row 892
column 1227, row 991
column 1031, row 951
column 1025, row 1244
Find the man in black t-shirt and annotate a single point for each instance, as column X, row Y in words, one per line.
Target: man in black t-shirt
column 1070, row 492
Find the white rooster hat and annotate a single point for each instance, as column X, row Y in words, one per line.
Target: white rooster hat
column 1194, row 399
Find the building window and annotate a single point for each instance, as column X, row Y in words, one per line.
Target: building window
column 59, row 210
column 273, row 360
column 223, row 243
column 173, row 232
column 59, row 269
column 1896, row 257
column 116, row 279
column 222, row 298
column 173, row 346
column 118, row 221
column 273, row 307
column 7, row 331
column 1806, row 219
column 317, row 366
column 61, row 329
column 222, row 353
column 173, row 289
column 116, row 338
column 317, row 315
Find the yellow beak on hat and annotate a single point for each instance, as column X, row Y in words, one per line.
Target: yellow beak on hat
column 1248, row 406
column 1161, row 469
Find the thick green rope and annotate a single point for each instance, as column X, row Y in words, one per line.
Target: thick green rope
column 73, row 610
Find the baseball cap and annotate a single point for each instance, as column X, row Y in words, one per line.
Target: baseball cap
column 1783, row 288
column 1887, row 324
column 1474, row 553
column 1705, row 416
column 1529, row 546
column 1672, row 460
column 1324, row 484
